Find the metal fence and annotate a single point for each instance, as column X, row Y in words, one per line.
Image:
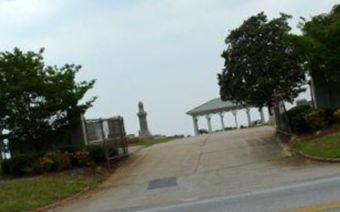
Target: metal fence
column 107, row 132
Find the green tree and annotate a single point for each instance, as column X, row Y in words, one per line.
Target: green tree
column 36, row 100
column 260, row 63
column 320, row 44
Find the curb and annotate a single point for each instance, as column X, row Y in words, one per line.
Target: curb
column 332, row 160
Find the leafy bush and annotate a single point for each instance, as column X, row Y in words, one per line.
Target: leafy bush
column 96, row 153
column 70, row 149
column 20, row 165
column 46, row 164
column 319, row 119
column 304, row 119
column 54, row 160
column 337, row 115
column 298, row 118
column 82, row 157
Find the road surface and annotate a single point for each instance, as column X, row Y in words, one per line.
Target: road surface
column 195, row 169
column 316, row 195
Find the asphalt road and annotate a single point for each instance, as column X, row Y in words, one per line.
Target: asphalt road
column 316, row 195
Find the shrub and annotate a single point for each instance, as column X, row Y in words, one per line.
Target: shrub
column 96, row 153
column 319, row 119
column 298, row 118
column 56, row 161
column 82, row 157
column 20, row 165
column 46, row 164
column 71, row 149
column 337, row 115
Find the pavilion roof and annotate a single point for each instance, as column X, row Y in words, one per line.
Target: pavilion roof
column 214, row 106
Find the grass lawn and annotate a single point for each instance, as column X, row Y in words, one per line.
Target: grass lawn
column 150, row 141
column 327, row 146
column 26, row 194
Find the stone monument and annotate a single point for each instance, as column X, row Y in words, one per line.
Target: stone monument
column 143, row 123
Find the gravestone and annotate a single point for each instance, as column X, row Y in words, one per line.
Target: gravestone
column 143, row 123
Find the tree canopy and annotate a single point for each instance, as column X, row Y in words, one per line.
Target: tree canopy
column 36, row 99
column 261, row 63
column 320, row 44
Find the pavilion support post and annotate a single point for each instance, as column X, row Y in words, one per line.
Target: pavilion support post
column 248, row 116
column 261, row 115
column 234, row 112
column 222, row 121
column 209, row 123
column 195, row 122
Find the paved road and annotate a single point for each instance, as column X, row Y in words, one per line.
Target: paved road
column 199, row 168
column 315, row 195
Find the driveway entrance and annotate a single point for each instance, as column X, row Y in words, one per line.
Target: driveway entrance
column 191, row 169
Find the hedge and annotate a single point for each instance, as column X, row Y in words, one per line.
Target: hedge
column 305, row 119
column 298, row 118
column 54, row 160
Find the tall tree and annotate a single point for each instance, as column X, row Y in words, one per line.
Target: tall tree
column 320, row 44
column 37, row 100
column 261, row 63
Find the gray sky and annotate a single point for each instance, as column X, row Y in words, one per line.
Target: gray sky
column 165, row 53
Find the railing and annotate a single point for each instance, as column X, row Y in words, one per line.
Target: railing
column 111, row 134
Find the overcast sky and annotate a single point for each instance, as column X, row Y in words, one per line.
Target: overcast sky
column 165, row 53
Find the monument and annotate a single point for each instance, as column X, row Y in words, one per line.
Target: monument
column 143, row 123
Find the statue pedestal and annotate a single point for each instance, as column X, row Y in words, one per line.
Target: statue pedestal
column 144, row 134
column 143, row 123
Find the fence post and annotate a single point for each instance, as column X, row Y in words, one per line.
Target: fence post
column 83, row 127
column 122, row 136
column 105, row 144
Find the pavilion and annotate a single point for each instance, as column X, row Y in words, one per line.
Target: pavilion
column 217, row 106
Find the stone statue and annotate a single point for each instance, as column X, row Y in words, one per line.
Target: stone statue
column 143, row 123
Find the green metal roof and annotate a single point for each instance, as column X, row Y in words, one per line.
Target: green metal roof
column 213, row 106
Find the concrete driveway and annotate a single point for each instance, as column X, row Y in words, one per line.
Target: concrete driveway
column 191, row 169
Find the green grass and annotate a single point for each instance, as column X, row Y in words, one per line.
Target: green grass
column 327, row 146
column 150, row 141
column 26, row 194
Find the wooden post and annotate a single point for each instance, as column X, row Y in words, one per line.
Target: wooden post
column 104, row 144
column 83, row 126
